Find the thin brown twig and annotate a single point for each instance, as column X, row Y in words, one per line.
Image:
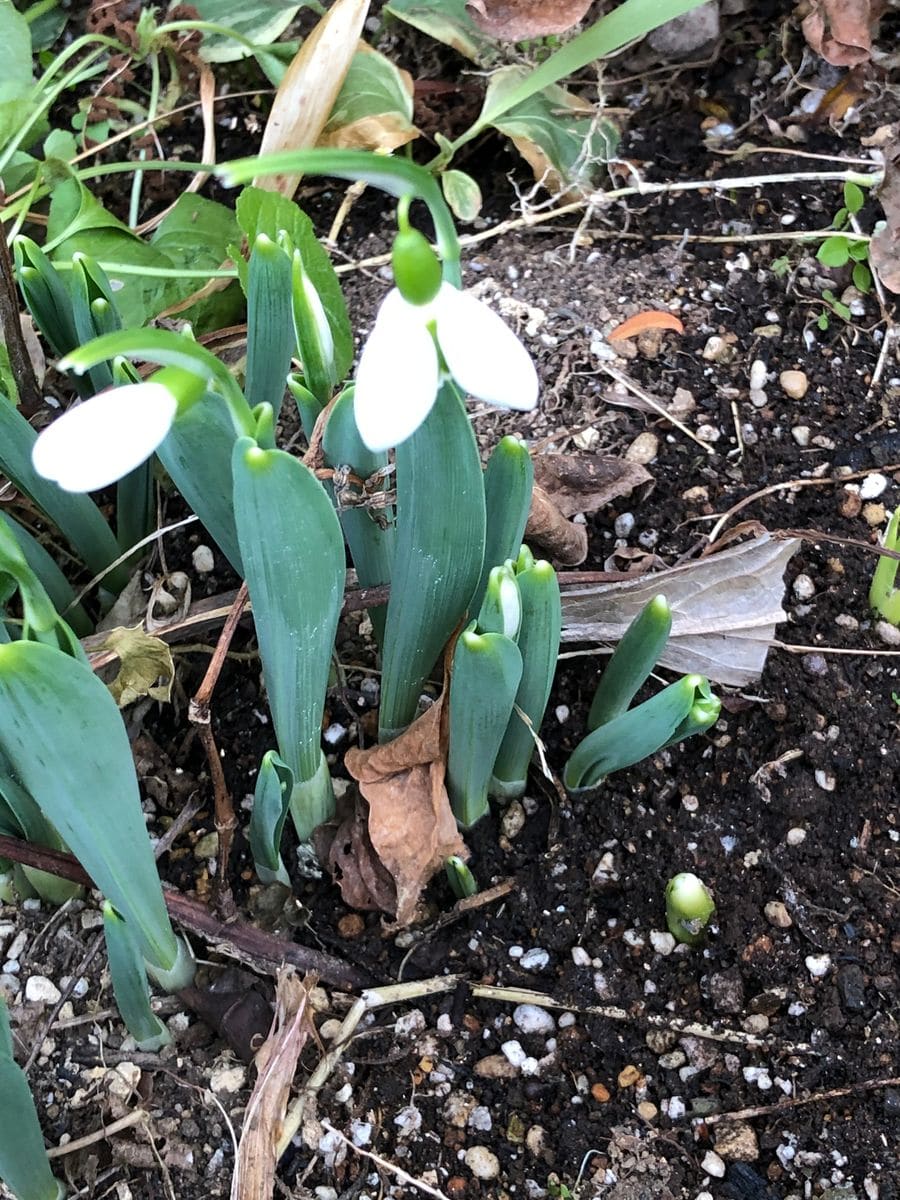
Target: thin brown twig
column 199, row 715
column 30, row 399
column 262, row 951
column 765, row 1110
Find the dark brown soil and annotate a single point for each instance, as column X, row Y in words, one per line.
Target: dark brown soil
column 787, row 809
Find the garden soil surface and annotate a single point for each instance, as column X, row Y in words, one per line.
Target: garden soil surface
column 760, row 1066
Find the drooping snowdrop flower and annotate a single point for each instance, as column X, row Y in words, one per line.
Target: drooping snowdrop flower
column 426, row 329
column 100, row 440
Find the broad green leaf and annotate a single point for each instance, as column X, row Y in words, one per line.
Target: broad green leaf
column 197, row 455
column 129, row 980
column 438, row 555
column 462, row 193
column 84, row 780
column 557, row 133
column 257, row 21
column 15, row 71
column 862, row 277
column 447, row 21
column 834, row 252
column 258, row 212
column 632, row 662
column 293, row 555
column 854, row 197
column 508, row 484
column 270, row 330
column 374, row 107
column 45, row 568
column 24, row 1166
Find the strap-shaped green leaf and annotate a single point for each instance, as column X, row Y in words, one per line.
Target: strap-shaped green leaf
column 270, row 329
column 76, row 516
column 538, row 642
column 129, row 980
column 369, row 530
column 486, row 672
column 683, row 708
column 24, row 1166
column 632, row 661
column 197, row 453
column 65, row 742
column 292, row 549
column 508, row 483
column 438, row 554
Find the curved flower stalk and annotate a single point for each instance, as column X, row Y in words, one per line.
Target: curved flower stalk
column 425, row 331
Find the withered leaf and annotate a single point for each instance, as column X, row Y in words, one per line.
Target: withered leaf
column 385, row 858
column 586, row 482
column 884, row 248
column 145, row 666
column 840, row 30
column 276, row 1063
column 516, row 20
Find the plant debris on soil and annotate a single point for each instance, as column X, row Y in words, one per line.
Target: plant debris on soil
column 573, row 1044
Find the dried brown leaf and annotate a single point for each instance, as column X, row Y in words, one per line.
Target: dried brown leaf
column 276, row 1063
column 516, row 20
column 884, row 248
column 584, row 483
column 724, row 608
column 383, row 858
column 310, row 87
column 145, row 666
column 840, row 30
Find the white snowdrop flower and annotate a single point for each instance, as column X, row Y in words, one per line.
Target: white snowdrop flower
column 102, row 439
column 400, row 368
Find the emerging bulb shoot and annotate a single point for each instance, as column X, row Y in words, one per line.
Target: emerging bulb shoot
column 689, row 906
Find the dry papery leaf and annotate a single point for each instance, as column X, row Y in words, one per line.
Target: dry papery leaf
column 145, row 666
column 840, row 30
column 653, row 319
column 724, row 609
column 310, row 87
column 401, row 830
column 516, row 20
column 276, row 1064
column 884, row 248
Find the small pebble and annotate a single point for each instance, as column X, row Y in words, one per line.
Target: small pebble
column 758, row 374
column 600, row 1093
column 713, row 1165
column 804, row 588
column 818, row 965
column 513, row 821
column 801, row 434
column 643, row 449
column 674, row 1108
column 203, row 560
column 41, row 990
column 794, row 384
column 888, row 633
column 529, row 1018
column 580, row 956
column 795, row 836
column 874, row 515
column 562, row 713
column 647, row 1111
column 758, row 399
column 624, row 524
column 736, row 1141
column 778, row 915
column 662, row 943
column 227, row 1077
column 872, row 486
column 535, row 960
column 717, row 349
column 825, row 779
column 814, row 664
column 628, row 1076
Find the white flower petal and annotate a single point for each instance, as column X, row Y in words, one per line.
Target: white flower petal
column 102, row 439
column 397, row 376
column 485, row 357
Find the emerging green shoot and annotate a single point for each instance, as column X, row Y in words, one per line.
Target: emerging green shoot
column 129, row 980
column 632, row 662
column 884, row 595
column 689, row 907
column 460, row 878
column 271, row 801
column 683, row 708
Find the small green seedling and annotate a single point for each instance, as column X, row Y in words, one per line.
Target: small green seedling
column 838, row 250
column 689, row 906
